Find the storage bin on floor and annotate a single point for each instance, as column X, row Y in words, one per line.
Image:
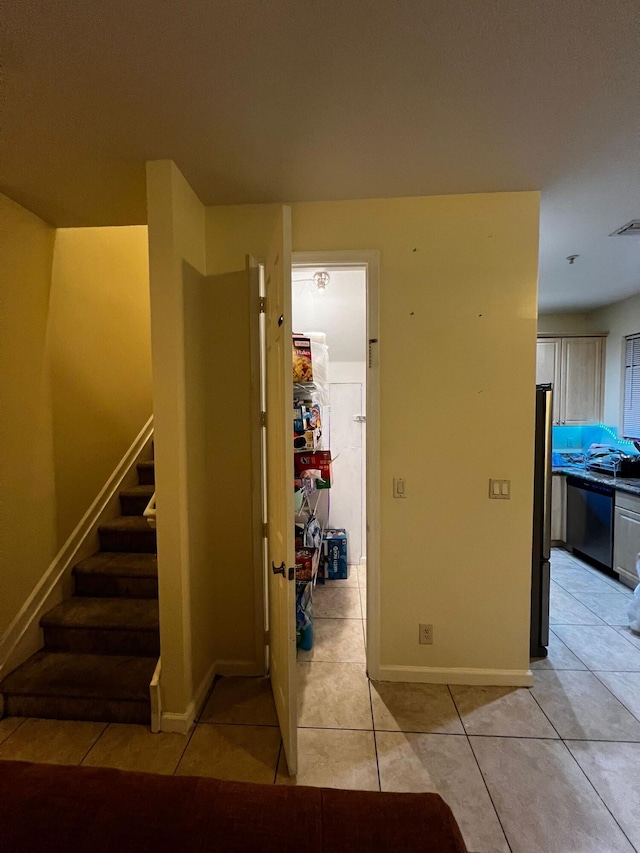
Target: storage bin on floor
column 334, row 550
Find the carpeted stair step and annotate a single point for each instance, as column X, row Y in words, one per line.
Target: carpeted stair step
column 128, row 533
column 112, row 574
column 133, row 501
column 105, row 688
column 107, row 626
column 146, row 473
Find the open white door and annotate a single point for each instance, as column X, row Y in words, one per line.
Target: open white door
column 280, row 538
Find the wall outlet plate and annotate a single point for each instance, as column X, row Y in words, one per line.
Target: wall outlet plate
column 425, row 635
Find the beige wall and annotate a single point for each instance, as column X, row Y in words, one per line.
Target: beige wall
column 225, row 462
column 619, row 319
column 201, row 340
column 27, row 494
column 564, row 324
column 457, row 359
column 100, row 359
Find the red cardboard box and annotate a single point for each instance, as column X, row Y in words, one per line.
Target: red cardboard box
column 320, row 460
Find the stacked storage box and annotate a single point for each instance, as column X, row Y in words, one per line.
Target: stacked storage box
column 312, row 466
column 334, row 554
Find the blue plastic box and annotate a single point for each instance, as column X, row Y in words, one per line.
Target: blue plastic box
column 334, row 551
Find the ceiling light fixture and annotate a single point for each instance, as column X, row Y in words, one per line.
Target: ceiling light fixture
column 321, row 279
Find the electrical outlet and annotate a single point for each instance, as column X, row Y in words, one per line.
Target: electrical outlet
column 425, row 635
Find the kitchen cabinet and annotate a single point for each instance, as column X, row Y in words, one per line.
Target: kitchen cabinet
column 626, row 537
column 574, row 365
column 558, row 509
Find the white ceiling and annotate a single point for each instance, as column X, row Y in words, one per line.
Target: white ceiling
column 291, row 100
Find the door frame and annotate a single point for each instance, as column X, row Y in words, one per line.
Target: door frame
column 370, row 260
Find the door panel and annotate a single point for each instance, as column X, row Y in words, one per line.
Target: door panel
column 582, row 387
column 346, row 448
column 280, row 538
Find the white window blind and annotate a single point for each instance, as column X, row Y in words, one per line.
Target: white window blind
column 631, row 414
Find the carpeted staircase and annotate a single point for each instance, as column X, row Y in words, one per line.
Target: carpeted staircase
column 101, row 646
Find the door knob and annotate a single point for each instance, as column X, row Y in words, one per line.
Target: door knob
column 282, row 570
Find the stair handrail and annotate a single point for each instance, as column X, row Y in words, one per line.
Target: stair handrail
column 150, row 512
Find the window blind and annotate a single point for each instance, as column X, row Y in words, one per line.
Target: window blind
column 631, row 412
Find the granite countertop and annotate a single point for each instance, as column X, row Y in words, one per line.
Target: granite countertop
column 621, row 484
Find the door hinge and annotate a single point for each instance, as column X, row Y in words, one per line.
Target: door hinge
column 263, row 304
column 265, row 529
column 263, row 419
column 372, row 341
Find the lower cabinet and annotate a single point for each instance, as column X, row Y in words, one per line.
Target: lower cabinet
column 626, row 537
column 558, row 509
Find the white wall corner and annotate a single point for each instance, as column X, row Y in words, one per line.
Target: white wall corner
column 182, row 723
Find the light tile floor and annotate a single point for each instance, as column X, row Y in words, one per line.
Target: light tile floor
column 554, row 768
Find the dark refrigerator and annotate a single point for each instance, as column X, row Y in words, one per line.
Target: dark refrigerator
column 541, row 544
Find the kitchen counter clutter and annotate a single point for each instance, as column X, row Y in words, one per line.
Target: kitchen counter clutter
column 620, row 484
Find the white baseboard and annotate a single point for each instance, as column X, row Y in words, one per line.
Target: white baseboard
column 246, row 668
column 182, row 723
column 23, row 637
column 155, row 697
column 455, row 675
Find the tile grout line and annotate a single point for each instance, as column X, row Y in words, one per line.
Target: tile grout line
column 486, row 787
column 375, row 739
column 19, row 726
column 617, row 698
column 188, row 739
column 584, row 604
column 583, row 662
column 545, row 715
column 475, row 758
column 597, row 793
column 106, row 726
column 275, row 772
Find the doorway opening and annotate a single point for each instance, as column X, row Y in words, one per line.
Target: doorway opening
column 333, row 306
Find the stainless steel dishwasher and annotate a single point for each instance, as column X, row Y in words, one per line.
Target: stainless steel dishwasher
column 590, row 519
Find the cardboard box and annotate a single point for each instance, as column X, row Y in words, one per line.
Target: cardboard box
column 320, row 460
column 298, row 419
column 315, row 420
column 308, row 440
column 302, row 365
column 304, row 563
column 334, row 551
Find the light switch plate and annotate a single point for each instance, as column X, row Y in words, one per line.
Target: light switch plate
column 399, row 487
column 500, row 490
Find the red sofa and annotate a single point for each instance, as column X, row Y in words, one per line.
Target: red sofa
column 61, row 809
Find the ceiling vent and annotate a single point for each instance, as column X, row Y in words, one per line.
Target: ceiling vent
column 630, row 228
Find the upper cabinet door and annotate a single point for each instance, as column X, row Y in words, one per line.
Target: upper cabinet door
column 280, row 537
column 581, row 380
column 548, row 369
